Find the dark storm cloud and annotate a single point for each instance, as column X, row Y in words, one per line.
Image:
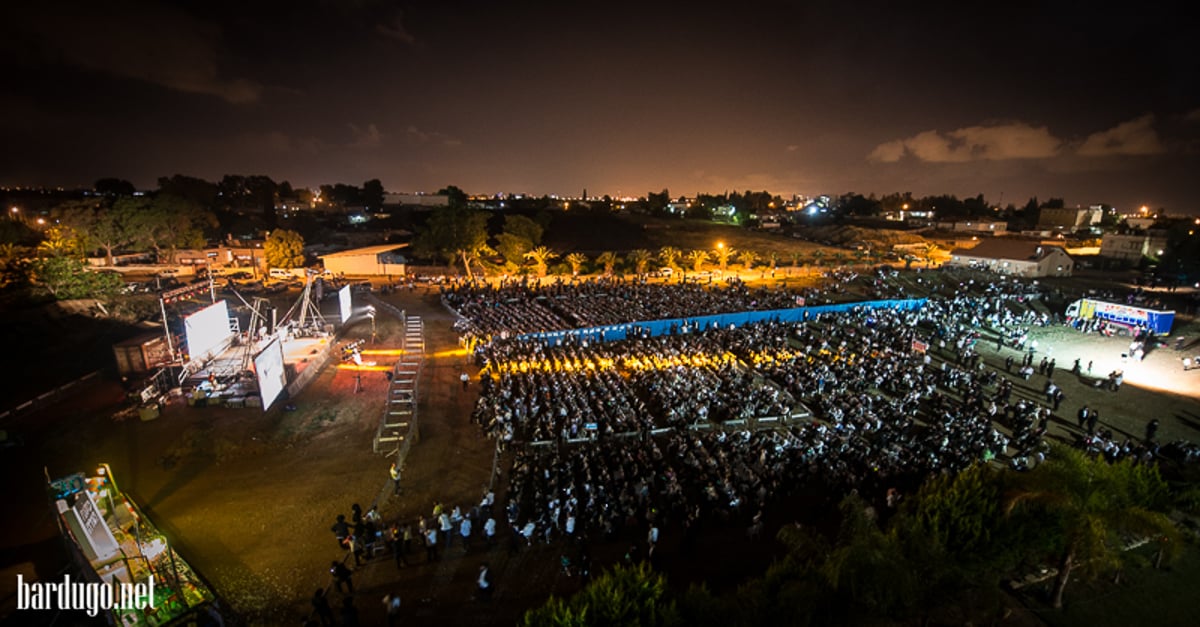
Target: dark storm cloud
column 143, row 41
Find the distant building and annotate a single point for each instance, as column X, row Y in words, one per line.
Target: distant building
column 378, row 260
column 974, row 226
column 1023, row 258
column 1069, row 218
column 415, row 200
column 1133, row 246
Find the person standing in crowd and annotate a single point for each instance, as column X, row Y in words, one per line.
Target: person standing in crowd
column 394, row 473
column 447, row 528
column 320, row 605
column 398, row 551
column 1083, row 415
column 341, row 531
column 489, row 530
column 466, row 379
column 349, row 613
column 342, row 577
column 1151, row 430
column 1092, row 420
column 464, row 529
column 391, row 604
column 431, row 546
column 484, row 582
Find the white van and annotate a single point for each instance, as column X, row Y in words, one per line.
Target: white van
column 282, row 274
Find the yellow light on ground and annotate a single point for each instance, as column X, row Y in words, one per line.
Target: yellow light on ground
column 457, row 352
column 364, row 368
column 383, row 351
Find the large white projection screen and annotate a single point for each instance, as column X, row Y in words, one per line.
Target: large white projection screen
column 268, row 365
column 207, row 329
column 344, row 303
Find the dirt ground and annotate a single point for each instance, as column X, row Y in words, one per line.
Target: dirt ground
column 248, row 497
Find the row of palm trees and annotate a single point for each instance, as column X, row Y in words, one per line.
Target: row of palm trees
column 694, row 260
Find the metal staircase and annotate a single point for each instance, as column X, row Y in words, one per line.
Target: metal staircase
column 398, row 427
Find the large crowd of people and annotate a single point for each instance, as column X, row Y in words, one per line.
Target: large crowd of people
column 509, row 308
column 650, row 435
column 647, row 428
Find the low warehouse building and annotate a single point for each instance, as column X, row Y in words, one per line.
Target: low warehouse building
column 1022, row 258
column 381, row 260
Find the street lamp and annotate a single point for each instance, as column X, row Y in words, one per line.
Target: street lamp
column 371, row 315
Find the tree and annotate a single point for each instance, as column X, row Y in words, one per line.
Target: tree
column 640, row 259
column 722, row 254
column 748, row 258
column 102, row 227
column 524, row 227
column 929, row 252
column 608, row 260
column 454, row 234
column 795, row 256
column 284, row 249
column 169, row 223
column 14, row 266
column 1095, row 505
column 697, row 259
column 634, row 595
column 60, row 268
column 199, row 191
column 576, row 261
column 669, row 255
column 540, row 257
column 372, row 194
column 513, row 247
column 457, row 199
column 114, row 187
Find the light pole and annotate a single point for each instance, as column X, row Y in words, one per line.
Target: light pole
column 371, row 315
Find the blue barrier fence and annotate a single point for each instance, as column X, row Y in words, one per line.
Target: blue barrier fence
column 655, row 328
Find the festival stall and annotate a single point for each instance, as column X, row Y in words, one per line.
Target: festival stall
column 115, row 543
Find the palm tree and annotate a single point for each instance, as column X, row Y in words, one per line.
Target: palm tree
column 723, row 253
column 1096, row 505
column 668, row 255
column 929, row 252
column 640, row 258
column 859, row 255
column 795, row 256
column 749, row 258
column 608, row 259
column 818, row 257
column 576, row 261
column 540, row 257
column 839, row 260
column 697, row 259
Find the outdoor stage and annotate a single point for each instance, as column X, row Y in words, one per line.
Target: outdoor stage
column 230, row 378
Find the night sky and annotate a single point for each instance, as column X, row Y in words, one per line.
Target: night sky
column 1015, row 100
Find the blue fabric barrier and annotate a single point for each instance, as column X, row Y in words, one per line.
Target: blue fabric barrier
column 655, row 328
